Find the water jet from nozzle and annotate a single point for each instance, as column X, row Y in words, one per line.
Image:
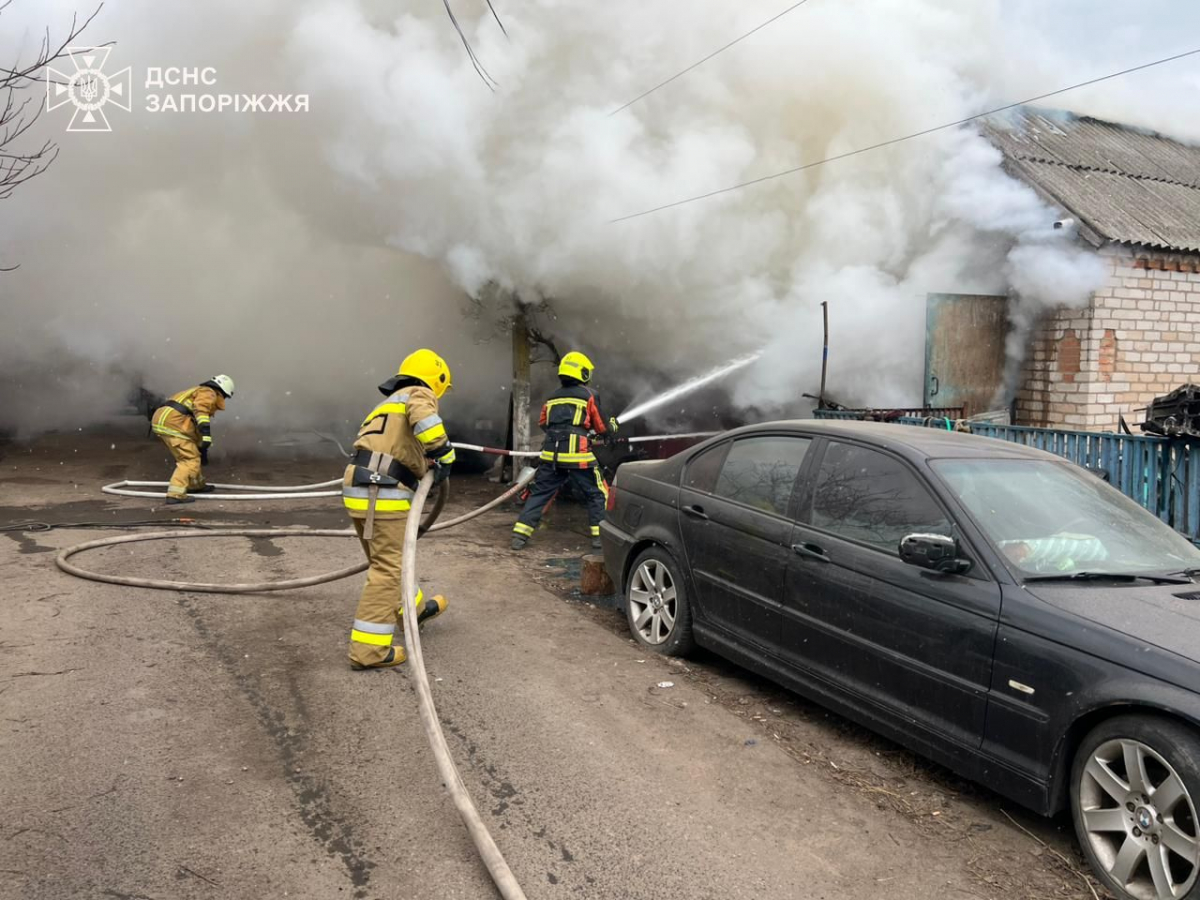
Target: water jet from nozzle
column 687, row 387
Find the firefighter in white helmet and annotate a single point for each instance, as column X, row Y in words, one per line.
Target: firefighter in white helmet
column 184, row 424
column 399, row 441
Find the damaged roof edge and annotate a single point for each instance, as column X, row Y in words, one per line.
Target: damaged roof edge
column 1123, row 185
column 1086, row 230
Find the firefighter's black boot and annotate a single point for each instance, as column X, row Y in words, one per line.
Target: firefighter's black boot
column 431, row 608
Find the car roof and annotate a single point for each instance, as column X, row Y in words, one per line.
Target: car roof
column 910, row 440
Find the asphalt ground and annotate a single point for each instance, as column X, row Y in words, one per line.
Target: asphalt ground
column 162, row 745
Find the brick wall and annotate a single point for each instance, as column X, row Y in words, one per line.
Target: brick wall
column 1138, row 338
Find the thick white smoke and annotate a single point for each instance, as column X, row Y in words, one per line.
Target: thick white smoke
column 306, row 252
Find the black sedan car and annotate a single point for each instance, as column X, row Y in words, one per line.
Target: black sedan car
column 995, row 608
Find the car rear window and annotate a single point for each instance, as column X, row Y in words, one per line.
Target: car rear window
column 702, row 470
column 867, row 496
column 761, row 472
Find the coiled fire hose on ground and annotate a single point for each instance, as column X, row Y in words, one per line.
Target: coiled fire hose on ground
column 419, row 522
column 428, row 524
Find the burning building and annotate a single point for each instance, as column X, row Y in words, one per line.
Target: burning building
column 1133, row 198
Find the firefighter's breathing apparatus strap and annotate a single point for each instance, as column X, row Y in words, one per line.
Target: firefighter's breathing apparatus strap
column 417, row 524
column 180, row 408
column 382, row 470
column 376, row 470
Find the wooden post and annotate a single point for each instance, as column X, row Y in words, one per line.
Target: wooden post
column 521, row 439
column 824, row 355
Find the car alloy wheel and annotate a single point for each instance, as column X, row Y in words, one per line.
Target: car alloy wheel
column 1139, row 820
column 653, row 601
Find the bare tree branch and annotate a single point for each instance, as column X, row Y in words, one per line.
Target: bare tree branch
column 21, row 106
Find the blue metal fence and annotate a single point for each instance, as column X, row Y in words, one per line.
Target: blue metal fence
column 1161, row 474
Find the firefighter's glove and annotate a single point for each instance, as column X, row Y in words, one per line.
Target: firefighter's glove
column 613, row 426
column 204, row 454
column 441, row 471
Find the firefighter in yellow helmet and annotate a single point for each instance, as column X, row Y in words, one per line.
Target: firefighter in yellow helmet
column 570, row 418
column 400, row 439
column 184, row 424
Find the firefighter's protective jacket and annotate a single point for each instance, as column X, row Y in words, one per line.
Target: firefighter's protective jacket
column 189, row 413
column 398, row 441
column 567, row 418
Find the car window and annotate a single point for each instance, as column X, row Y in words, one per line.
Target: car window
column 1051, row 518
column 761, row 471
column 868, row 496
column 701, row 472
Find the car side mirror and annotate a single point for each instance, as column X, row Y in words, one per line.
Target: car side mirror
column 936, row 552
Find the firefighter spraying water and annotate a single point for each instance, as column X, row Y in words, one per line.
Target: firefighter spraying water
column 571, row 419
column 572, row 422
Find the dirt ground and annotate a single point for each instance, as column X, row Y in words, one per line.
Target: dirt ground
column 163, row 745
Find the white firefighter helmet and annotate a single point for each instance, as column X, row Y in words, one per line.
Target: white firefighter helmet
column 222, row 383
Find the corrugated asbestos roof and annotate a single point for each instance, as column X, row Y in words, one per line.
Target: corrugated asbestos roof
column 1124, row 185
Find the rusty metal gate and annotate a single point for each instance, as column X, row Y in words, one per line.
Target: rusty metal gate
column 964, row 350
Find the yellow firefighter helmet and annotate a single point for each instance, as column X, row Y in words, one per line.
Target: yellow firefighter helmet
column 427, row 366
column 576, row 365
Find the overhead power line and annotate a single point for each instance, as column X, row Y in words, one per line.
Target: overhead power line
column 707, row 58
column 907, row 137
column 483, row 73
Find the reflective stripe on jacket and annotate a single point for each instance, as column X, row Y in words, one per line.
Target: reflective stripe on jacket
column 203, row 401
column 407, row 427
column 567, row 416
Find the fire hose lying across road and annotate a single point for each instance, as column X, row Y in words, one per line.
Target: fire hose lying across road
column 420, row 521
column 331, row 488
column 234, row 491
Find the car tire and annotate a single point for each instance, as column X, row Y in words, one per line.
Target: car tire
column 1140, row 834
column 656, row 604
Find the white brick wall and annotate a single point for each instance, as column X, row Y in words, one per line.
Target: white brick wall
column 1138, row 338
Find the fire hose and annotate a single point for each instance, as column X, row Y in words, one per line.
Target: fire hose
column 332, row 488
column 420, row 522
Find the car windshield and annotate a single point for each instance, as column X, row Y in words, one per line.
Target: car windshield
column 1052, row 518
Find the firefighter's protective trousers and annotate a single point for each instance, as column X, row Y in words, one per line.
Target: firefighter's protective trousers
column 378, row 619
column 188, row 475
column 550, row 478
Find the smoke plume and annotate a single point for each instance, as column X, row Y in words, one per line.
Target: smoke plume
column 306, row 253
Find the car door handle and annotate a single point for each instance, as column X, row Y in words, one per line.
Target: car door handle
column 696, row 512
column 810, row 550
